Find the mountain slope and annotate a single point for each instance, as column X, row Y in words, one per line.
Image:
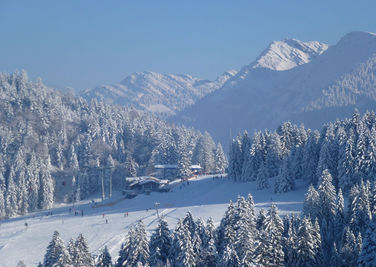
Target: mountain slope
column 287, row 54
column 259, row 97
column 162, row 94
column 205, row 197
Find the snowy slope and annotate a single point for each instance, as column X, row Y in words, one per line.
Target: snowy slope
column 205, row 197
column 162, row 94
column 269, row 91
column 287, row 54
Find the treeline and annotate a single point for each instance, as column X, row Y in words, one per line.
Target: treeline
column 56, row 146
column 327, row 234
column 347, row 148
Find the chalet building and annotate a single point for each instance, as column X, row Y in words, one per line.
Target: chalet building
column 168, row 171
column 144, row 184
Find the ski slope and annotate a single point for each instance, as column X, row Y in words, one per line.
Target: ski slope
column 205, row 197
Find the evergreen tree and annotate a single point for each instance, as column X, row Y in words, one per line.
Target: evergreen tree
column 220, row 160
column 11, row 206
column 82, row 256
column 56, row 254
column 225, row 231
column 183, row 247
column 367, row 257
column 262, row 179
column 348, row 252
column 135, row 251
column 308, row 249
column 327, row 196
column 104, row 259
column 160, row 244
column 360, row 213
column 311, row 205
column 230, row 258
column 285, row 182
column 235, row 160
column 269, row 251
column 260, row 219
column 340, row 220
column 245, row 229
column 290, row 250
column 335, row 259
column 130, row 166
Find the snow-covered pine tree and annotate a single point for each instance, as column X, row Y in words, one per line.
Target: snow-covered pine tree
column 139, row 248
column 310, row 158
column 185, row 255
column 130, row 166
column 289, row 247
column 340, row 219
column 360, row 212
column 160, row 244
column 307, row 245
column 204, row 152
column 209, row 255
column 225, row 231
column 285, row 182
column 245, row 229
column 260, row 221
column 262, row 178
column 104, row 259
column 229, row 257
column 311, row 205
column 189, row 222
column 46, row 194
column 82, row 256
column 335, row 259
column 235, row 160
column 328, row 159
column 346, row 163
column 220, row 160
column 349, row 252
column 327, row 196
column 56, row 253
column 367, row 257
column 11, row 207
column 269, row 251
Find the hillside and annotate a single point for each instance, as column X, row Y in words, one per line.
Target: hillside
column 204, row 197
column 56, row 147
column 261, row 96
column 161, row 94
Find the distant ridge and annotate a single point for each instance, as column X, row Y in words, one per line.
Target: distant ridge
column 161, row 94
column 308, row 83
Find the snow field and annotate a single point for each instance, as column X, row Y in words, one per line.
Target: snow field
column 205, row 197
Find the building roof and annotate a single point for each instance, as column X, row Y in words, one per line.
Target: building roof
column 171, row 166
column 166, row 166
column 196, row 167
column 144, row 180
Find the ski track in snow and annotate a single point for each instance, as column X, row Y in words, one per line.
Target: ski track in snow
column 205, row 197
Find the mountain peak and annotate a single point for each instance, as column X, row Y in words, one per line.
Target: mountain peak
column 287, row 54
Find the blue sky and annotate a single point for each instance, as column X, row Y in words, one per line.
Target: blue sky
column 82, row 44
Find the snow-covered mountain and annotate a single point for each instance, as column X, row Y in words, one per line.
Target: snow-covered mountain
column 291, row 80
column 162, row 94
column 287, row 54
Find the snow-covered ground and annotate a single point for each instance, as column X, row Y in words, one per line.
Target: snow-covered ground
column 205, row 197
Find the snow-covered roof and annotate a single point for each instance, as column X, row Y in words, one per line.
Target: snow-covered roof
column 166, row 166
column 171, row 166
column 196, row 167
column 144, row 180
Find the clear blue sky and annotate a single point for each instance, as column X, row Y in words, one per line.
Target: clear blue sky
column 82, row 44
